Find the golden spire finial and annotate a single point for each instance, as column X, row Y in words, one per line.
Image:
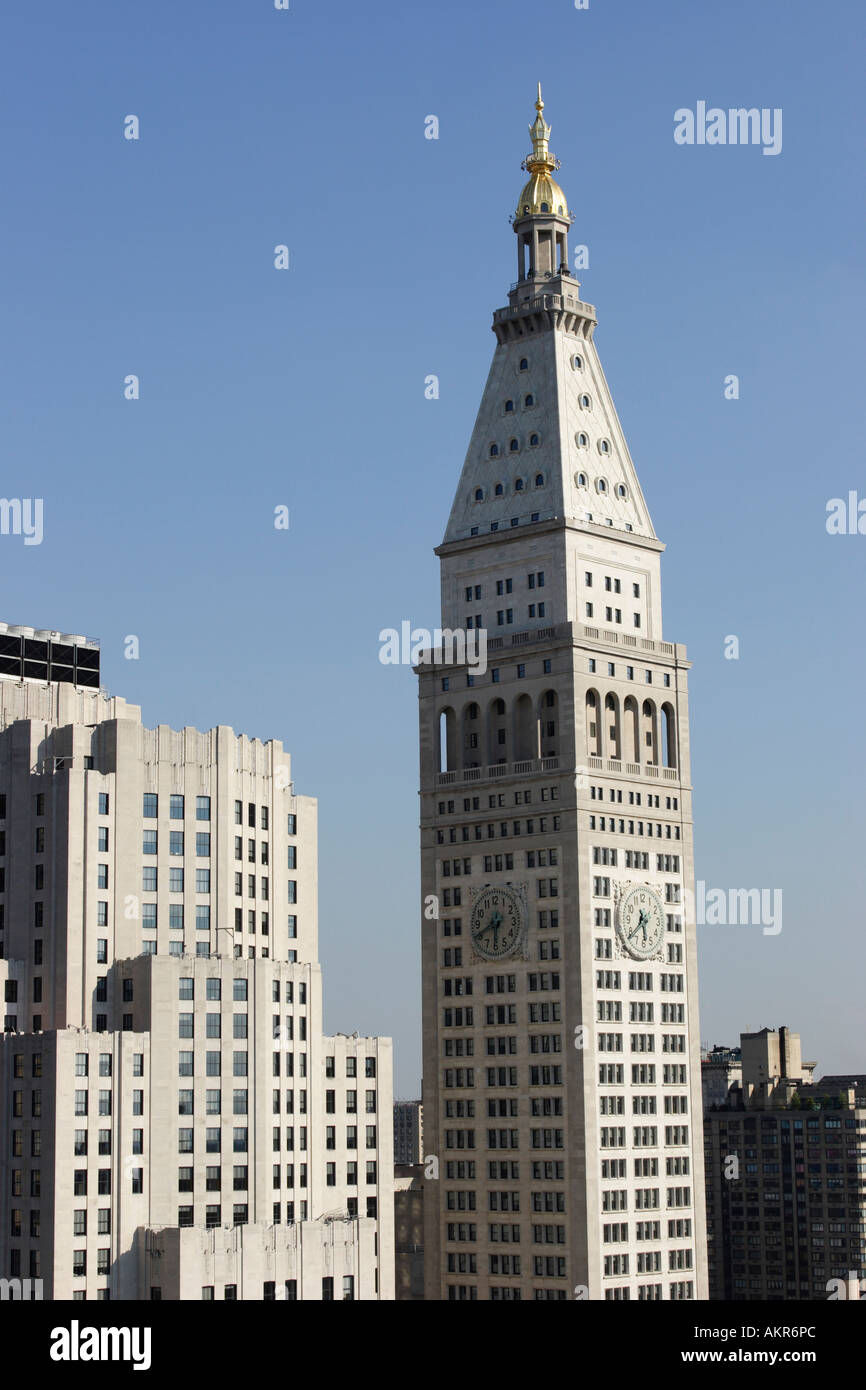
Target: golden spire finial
column 541, row 195
column 541, row 160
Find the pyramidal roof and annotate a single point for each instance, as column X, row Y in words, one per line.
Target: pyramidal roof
column 547, row 442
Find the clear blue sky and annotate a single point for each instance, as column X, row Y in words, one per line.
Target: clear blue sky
column 305, row 387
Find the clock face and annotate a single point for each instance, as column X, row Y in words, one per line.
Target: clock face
column 641, row 921
column 496, row 925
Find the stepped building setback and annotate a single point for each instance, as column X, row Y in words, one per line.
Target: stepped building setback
column 175, row 1124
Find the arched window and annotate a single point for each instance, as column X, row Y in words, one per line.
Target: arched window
column 548, row 710
column 513, row 446
column 545, row 207
column 528, row 401
column 612, row 733
column 525, row 730
column 447, row 750
column 577, row 363
column 539, row 480
column 581, row 440
column 471, row 738
column 621, row 490
column 601, row 485
column 580, row 479
column 669, row 736
column 524, row 364
column 494, row 451
column 604, row 446
column 518, row 484
column 497, row 733
column 632, row 730
column 534, row 440
column 649, row 732
column 509, row 406
column 499, row 490
column 585, row 403
column 479, row 494
column 593, row 724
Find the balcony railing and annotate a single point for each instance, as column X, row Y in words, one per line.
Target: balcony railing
column 527, row 768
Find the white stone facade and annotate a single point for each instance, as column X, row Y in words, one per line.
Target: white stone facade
column 163, row 1061
column 562, row 1092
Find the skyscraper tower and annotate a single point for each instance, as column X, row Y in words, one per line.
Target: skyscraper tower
column 174, row 1125
column 562, row 1092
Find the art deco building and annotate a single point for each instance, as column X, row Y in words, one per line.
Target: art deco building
column 174, row 1122
column 721, row 1068
column 562, row 1087
column 786, row 1178
column 408, row 1132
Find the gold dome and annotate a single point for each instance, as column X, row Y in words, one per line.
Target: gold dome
column 541, row 193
